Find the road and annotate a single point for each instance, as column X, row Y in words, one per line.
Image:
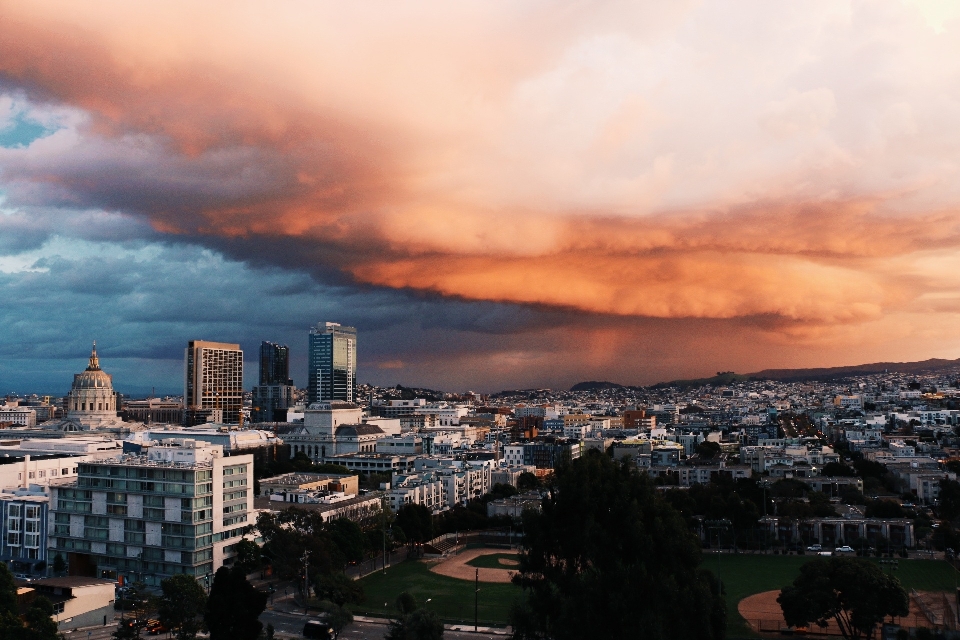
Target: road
column 290, row 625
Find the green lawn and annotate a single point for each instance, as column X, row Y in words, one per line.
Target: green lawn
column 452, row 599
column 492, row 561
column 744, row 575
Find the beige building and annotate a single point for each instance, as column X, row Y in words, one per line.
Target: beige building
column 348, row 484
column 213, row 378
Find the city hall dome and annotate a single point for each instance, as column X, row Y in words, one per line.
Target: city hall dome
column 92, row 401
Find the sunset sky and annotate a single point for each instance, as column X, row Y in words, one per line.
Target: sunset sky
column 496, row 194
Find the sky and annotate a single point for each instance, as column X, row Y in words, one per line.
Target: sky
column 497, row 195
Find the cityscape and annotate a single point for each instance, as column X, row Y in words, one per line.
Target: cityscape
column 103, row 490
column 474, row 320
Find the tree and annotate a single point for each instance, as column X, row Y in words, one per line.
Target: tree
column 337, row 616
column 234, row 607
column 527, row 481
column 338, row 588
column 181, row 606
column 948, row 506
column 708, row 450
column 59, row 564
column 412, row 622
column 37, row 623
column 608, row 556
column 248, row 557
column 853, row 592
column 416, row 521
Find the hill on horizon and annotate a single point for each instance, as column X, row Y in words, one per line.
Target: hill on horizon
column 790, row 375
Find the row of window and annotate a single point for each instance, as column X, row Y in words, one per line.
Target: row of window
column 30, row 540
column 145, row 473
column 43, row 473
column 30, row 511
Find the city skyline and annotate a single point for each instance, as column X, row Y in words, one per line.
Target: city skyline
column 638, row 193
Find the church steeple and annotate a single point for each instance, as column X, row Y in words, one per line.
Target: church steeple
column 94, row 361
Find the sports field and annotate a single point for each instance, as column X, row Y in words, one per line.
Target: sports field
column 746, row 574
column 452, row 599
column 742, row 574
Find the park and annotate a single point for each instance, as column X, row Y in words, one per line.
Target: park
column 449, row 592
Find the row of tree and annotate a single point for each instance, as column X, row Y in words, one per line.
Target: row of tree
column 231, row 611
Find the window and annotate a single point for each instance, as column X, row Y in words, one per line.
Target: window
column 31, row 540
column 64, row 472
column 13, row 539
column 43, row 474
column 33, row 512
column 32, row 474
column 13, row 510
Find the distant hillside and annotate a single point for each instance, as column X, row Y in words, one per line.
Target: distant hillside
column 831, row 373
column 722, row 378
column 791, row 375
column 595, row 386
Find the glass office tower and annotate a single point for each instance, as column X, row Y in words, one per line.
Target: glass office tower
column 332, row 363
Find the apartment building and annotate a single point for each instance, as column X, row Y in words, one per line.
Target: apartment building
column 179, row 509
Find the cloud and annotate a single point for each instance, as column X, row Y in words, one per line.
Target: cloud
column 788, row 170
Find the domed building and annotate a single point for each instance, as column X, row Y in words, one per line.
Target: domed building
column 92, row 403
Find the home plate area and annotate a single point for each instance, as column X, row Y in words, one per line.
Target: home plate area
column 458, row 566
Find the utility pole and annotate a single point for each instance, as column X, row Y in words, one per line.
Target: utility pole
column 383, row 511
column 476, row 603
column 306, row 579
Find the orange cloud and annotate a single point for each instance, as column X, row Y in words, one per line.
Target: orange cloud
column 634, row 161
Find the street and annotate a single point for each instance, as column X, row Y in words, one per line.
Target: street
column 290, row 625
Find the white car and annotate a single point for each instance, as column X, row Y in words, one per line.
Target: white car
column 814, row 547
column 844, row 549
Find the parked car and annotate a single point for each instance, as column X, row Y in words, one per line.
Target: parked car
column 814, row 547
column 317, row 629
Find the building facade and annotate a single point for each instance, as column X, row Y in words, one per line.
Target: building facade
column 273, row 396
column 180, row 509
column 332, row 363
column 24, row 528
column 213, row 380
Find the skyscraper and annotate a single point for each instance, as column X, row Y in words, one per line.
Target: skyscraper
column 274, row 395
column 213, row 381
column 274, row 363
column 332, row 363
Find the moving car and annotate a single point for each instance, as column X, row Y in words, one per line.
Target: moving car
column 844, row 549
column 814, row 547
column 155, row 628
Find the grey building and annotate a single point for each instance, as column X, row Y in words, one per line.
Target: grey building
column 332, row 363
column 180, row 509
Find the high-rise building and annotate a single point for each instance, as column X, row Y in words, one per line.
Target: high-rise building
column 213, row 381
column 332, row 363
column 274, row 395
column 274, row 363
